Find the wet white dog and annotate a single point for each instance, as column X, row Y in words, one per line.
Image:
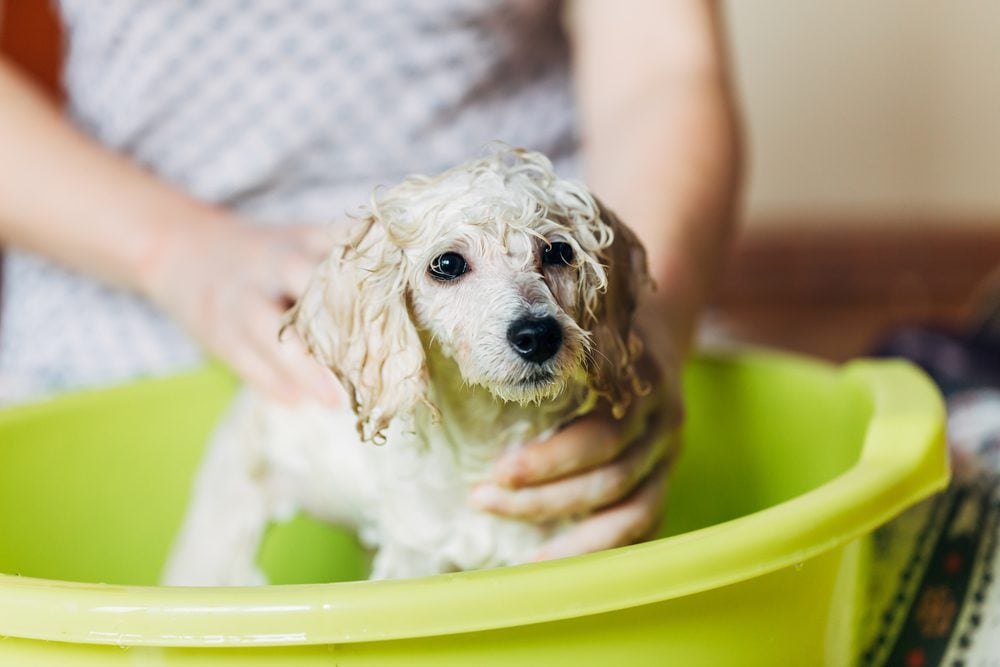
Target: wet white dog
column 469, row 313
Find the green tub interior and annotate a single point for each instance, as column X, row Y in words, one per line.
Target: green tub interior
column 93, row 486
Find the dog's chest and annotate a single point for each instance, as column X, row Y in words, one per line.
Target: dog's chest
column 408, row 498
column 424, row 512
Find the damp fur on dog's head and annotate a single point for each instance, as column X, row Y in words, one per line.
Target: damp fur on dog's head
column 460, row 261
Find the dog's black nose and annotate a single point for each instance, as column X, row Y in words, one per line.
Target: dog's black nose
column 535, row 339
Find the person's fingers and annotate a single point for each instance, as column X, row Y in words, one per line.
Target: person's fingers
column 256, row 371
column 293, row 274
column 580, row 493
column 632, row 520
column 314, row 240
column 584, row 444
column 291, row 362
column 318, row 381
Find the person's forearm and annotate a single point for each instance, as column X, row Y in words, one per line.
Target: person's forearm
column 67, row 198
column 661, row 142
column 670, row 170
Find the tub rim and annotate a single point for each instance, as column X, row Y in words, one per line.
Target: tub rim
column 882, row 483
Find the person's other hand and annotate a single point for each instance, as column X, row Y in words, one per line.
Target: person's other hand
column 229, row 285
column 612, row 472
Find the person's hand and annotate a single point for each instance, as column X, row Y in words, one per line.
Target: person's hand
column 612, row 472
column 229, row 285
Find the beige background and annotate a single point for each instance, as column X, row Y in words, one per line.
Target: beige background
column 870, row 110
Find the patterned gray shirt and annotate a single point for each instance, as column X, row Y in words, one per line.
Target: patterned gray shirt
column 281, row 112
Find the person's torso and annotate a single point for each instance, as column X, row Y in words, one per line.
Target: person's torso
column 277, row 109
column 282, row 112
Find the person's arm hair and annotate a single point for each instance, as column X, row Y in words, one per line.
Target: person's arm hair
column 660, row 137
column 65, row 197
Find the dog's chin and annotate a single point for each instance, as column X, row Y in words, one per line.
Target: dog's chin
column 531, row 384
column 531, row 389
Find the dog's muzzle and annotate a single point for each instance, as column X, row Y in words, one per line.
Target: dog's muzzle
column 535, row 339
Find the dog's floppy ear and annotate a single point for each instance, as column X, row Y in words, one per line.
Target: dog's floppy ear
column 355, row 318
column 617, row 346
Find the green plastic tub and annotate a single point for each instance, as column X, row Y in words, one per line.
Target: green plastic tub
column 789, row 465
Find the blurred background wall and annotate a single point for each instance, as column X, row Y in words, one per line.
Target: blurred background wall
column 30, row 35
column 873, row 191
column 862, row 110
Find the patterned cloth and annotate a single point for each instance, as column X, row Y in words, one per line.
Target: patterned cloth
column 281, row 112
column 934, row 599
column 936, row 566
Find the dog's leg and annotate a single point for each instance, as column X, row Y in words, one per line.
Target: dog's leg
column 220, row 536
column 266, row 462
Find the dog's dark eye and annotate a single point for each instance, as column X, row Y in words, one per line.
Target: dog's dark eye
column 448, row 266
column 557, row 253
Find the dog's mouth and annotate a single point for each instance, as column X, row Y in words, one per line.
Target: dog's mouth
column 534, row 385
column 537, row 379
